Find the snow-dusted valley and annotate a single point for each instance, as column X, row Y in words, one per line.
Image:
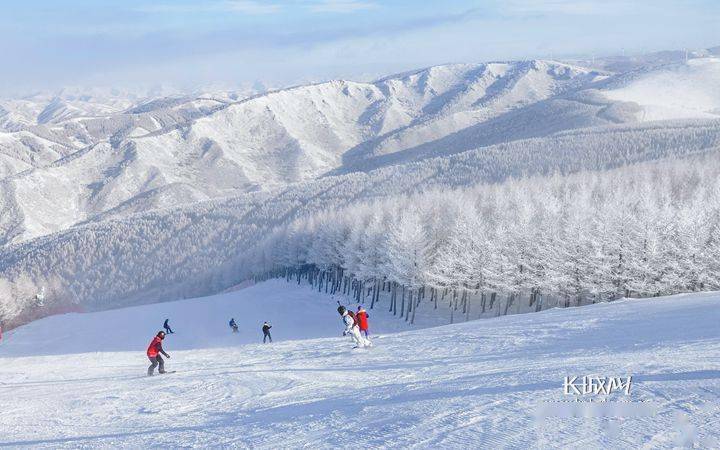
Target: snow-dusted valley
column 506, row 224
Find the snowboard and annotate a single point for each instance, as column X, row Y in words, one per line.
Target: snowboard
column 164, row 373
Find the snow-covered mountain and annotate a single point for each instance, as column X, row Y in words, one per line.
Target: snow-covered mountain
column 35, row 130
column 64, row 161
column 168, row 191
column 175, row 151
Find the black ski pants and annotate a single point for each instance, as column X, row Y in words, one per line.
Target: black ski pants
column 156, row 360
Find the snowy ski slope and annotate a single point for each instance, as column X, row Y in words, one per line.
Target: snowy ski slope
column 482, row 384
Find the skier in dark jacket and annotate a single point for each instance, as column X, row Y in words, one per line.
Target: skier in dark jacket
column 166, row 325
column 153, row 353
column 266, row 332
column 233, row 325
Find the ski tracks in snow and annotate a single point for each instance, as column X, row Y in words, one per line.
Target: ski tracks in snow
column 473, row 385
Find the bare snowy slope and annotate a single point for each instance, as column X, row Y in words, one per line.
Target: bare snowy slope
column 199, row 322
column 494, row 383
column 677, row 91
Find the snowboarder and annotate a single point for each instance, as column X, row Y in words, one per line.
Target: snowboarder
column 153, row 353
column 166, row 325
column 351, row 328
column 266, row 332
column 361, row 317
column 233, row 325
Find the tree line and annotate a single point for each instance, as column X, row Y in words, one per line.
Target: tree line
column 640, row 231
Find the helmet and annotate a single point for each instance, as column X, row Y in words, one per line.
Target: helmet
column 161, row 334
column 341, row 310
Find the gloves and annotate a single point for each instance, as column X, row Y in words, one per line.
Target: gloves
column 167, row 356
column 344, row 333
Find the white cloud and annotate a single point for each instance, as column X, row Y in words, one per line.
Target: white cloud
column 341, row 6
column 257, row 7
column 250, row 7
column 569, row 7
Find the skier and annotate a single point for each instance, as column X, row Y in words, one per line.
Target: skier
column 166, row 325
column 351, row 328
column 153, row 353
column 233, row 325
column 361, row 317
column 266, row 332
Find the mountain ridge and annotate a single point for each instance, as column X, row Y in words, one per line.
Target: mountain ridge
column 278, row 146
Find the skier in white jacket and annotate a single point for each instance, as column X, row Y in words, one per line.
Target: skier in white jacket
column 352, row 329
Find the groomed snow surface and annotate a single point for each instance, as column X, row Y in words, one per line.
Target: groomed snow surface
column 78, row 380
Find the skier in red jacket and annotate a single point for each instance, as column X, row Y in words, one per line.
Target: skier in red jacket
column 153, row 352
column 361, row 318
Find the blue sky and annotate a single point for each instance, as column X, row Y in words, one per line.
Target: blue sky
column 49, row 44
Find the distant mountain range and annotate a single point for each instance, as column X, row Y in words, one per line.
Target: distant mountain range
column 66, row 160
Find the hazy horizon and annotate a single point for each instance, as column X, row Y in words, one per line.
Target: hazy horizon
column 232, row 43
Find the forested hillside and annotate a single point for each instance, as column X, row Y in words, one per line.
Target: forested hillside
column 646, row 230
column 209, row 246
